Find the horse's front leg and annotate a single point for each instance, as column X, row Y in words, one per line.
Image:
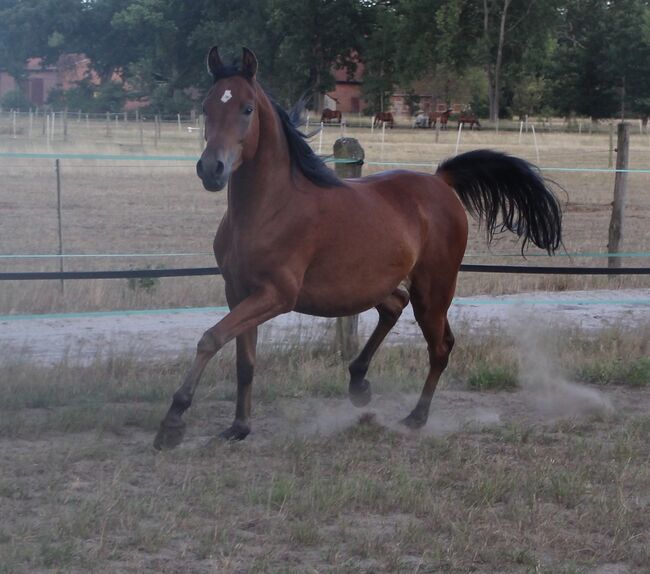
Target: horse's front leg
column 254, row 310
column 246, row 350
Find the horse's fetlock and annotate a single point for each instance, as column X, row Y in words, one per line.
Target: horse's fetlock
column 182, row 400
column 357, row 370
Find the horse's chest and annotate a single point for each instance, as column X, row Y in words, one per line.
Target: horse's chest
column 242, row 262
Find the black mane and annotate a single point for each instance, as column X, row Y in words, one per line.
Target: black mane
column 302, row 156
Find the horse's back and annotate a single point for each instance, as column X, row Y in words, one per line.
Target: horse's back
column 409, row 190
column 425, row 205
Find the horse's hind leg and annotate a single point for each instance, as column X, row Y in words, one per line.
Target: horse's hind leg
column 389, row 312
column 432, row 319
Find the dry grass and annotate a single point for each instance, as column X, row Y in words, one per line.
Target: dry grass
column 125, row 206
column 316, row 488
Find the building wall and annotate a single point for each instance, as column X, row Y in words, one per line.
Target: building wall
column 69, row 69
column 348, row 98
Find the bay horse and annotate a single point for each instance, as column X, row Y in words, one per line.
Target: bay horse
column 330, row 116
column 469, row 118
column 442, row 116
column 383, row 117
column 297, row 238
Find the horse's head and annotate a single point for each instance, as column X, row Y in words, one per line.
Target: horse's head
column 231, row 120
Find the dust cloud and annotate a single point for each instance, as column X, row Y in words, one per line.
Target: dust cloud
column 545, row 394
column 544, row 386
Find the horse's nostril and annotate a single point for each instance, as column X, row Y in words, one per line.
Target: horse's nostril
column 218, row 170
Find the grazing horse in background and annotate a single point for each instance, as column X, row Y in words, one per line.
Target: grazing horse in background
column 470, row 118
column 442, row 116
column 331, row 116
column 383, row 117
column 295, row 237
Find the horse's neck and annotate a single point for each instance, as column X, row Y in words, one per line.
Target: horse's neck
column 262, row 182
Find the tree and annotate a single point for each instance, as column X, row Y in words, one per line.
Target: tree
column 380, row 55
column 39, row 28
column 601, row 64
column 317, row 35
column 513, row 33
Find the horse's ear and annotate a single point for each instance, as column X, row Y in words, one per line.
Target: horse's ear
column 214, row 61
column 248, row 63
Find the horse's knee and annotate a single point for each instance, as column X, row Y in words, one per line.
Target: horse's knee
column 207, row 344
column 450, row 340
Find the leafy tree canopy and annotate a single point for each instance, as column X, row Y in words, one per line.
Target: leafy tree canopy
column 513, row 56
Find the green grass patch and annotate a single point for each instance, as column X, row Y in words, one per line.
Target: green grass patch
column 490, row 377
column 633, row 372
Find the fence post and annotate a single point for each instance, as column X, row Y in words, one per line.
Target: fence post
column 60, row 224
column 610, row 163
column 620, row 191
column 65, row 125
column 347, row 338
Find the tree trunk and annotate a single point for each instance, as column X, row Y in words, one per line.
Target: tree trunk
column 493, row 70
column 497, row 66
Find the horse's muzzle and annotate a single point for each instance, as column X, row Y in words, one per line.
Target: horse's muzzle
column 213, row 174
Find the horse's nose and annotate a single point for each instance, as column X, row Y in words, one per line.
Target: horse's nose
column 210, row 171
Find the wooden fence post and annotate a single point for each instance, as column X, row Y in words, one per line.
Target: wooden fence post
column 347, row 338
column 620, row 191
column 57, row 167
column 610, row 162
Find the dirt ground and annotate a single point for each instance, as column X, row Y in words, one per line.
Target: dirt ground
column 322, row 487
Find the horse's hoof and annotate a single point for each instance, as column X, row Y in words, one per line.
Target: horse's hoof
column 170, row 435
column 237, row 431
column 414, row 421
column 360, row 393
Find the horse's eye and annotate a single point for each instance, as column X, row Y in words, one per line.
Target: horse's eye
column 248, row 110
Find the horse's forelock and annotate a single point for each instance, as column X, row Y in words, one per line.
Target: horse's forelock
column 226, row 72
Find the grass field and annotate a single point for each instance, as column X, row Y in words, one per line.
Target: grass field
column 546, row 476
column 536, row 457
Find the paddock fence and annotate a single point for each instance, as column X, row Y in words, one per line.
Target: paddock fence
column 111, row 159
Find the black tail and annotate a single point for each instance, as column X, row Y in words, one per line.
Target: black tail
column 508, row 193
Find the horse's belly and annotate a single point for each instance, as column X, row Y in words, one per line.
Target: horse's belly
column 334, row 292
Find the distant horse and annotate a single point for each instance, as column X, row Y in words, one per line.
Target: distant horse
column 442, row 116
column 470, row 118
column 383, row 118
column 331, row 116
column 297, row 238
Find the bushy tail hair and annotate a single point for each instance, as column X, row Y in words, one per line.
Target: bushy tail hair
column 507, row 193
